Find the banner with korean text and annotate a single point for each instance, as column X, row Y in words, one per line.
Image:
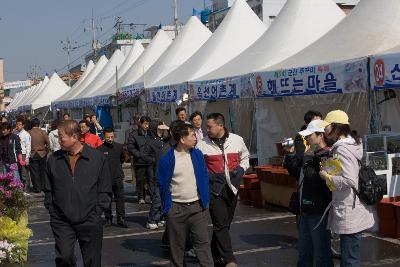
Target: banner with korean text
column 341, row 77
column 222, row 89
column 130, row 91
column 385, row 71
column 165, row 94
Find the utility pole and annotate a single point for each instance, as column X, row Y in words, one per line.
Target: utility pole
column 176, row 18
column 94, row 41
column 33, row 74
column 68, row 48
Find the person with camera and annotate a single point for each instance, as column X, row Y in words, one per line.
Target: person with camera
column 348, row 216
column 312, row 199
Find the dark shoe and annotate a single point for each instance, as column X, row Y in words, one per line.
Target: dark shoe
column 219, row 262
column 122, row 224
column 108, row 223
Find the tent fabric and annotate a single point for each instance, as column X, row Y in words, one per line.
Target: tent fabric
column 29, row 96
column 89, row 68
column 53, row 90
column 91, row 76
column 372, row 27
column 277, row 119
column 20, row 95
column 299, row 24
column 106, row 73
column 110, row 85
column 189, row 40
column 240, row 28
column 155, row 49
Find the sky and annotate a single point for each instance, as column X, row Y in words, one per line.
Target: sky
column 31, row 30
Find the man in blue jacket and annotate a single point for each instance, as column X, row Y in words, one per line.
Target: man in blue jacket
column 184, row 190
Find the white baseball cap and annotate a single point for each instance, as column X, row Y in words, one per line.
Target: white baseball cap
column 313, row 127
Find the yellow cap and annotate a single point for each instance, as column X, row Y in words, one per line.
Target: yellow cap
column 335, row 116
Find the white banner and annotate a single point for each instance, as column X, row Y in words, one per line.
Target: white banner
column 130, row 91
column 17, row 84
column 163, row 94
column 385, row 71
column 342, row 77
column 228, row 88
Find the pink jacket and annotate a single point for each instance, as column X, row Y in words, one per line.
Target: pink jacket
column 344, row 217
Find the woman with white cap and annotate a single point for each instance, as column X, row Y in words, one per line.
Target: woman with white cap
column 314, row 197
column 348, row 216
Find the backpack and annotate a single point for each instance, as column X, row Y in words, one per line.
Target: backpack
column 370, row 188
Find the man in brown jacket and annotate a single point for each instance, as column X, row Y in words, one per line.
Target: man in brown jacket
column 37, row 162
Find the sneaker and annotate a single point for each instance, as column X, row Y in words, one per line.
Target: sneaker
column 190, row 253
column 141, row 201
column 161, row 223
column 152, row 226
column 27, row 194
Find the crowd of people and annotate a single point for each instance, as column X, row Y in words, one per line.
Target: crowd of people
column 189, row 175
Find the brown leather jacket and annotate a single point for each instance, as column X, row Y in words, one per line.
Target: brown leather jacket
column 40, row 143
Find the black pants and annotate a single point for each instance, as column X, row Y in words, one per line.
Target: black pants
column 188, row 219
column 89, row 235
column 118, row 192
column 222, row 209
column 37, row 168
column 143, row 174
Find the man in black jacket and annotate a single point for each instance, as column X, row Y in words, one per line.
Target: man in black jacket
column 140, row 145
column 10, row 151
column 77, row 188
column 114, row 154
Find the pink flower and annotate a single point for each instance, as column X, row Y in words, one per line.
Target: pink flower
column 7, row 194
column 13, row 167
column 15, row 183
column 7, row 176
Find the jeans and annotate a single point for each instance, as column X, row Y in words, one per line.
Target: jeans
column 314, row 244
column 155, row 209
column 143, row 173
column 350, row 250
column 7, row 168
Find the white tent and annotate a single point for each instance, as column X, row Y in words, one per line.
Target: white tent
column 240, row 28
column 106, row 73
column 372, row 27
column 299, row 24
column 89, row 78
column 360, row 34
column 155, row 49
column 89, row 68
column 18, row 96
column 53, row 90
column 189, row 40
column 134, row 53
column 29, row 96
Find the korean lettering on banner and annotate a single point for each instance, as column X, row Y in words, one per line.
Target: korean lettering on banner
column 385, row 72
column 344, row 77
column 230, row 88
column 163, row 94
column 130, row 91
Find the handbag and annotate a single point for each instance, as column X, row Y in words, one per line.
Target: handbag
column 294, row 202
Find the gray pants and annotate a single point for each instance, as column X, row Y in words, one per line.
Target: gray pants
column 192, row 219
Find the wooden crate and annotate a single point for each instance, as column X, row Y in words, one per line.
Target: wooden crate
column 276, row 194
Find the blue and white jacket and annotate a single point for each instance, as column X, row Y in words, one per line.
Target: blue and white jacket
column 165, row 172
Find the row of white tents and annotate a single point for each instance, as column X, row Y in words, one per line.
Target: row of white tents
column 305, row 33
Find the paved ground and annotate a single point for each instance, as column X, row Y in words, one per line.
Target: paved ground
column 261, row 237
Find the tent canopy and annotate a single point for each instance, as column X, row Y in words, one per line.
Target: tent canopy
column 134, row 53
column 299, row 24
column 106, row 73
column 372, row 27
column 189, row 40
column 156, row 48
column 240, row 28
column 89, row 78
column 53, row 90
column 89, row 68
column 29, row 96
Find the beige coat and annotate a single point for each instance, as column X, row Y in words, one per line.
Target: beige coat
column 345, row 216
